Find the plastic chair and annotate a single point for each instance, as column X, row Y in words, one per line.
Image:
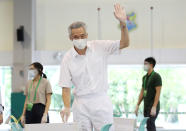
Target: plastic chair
column 142, row 124
column 15, row 126
column 106, row 127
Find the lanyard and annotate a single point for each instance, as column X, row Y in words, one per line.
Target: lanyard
column 34, row 99
column 145, row 80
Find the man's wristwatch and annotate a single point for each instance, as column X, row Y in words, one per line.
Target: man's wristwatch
column 123, row 25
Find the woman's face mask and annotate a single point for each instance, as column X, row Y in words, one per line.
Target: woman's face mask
column 32, row 73
column 80, row 43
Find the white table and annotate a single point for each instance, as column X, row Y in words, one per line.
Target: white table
column 5, row 127
column 52, row 127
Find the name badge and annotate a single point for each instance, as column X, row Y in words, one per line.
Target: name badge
column 145, row 93
column 29, row 106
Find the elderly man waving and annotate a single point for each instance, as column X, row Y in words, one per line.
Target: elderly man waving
column 85, row 67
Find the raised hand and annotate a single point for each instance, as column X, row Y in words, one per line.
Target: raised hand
column 120, row 13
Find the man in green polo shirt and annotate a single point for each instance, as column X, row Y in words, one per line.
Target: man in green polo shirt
column 150, row 93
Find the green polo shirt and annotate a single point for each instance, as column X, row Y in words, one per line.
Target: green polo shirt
column 151, row 84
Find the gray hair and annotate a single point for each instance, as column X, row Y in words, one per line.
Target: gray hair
column 76, row 25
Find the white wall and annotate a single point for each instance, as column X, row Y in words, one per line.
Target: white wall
column 6, row 25
column 169, row 29
column 6, row 32
column 53, row 18
column 173, row 23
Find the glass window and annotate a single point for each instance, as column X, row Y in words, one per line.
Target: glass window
column 125, row 83
column 52, row 73
column 5, row 87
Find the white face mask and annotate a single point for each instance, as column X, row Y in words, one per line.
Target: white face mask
column 80, row 43
column 32, row 74
column 146, row 68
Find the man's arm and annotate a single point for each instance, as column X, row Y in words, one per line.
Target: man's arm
column 157, row 97
column 65, row 81
column 139, row 101
column 120, row 14
column 124, row 42
column 66, row 96
column 140, row 97
column 156, row 100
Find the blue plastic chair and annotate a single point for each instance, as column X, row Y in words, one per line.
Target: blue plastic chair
column 106, row 127
column 15, row 126
column 142, row 124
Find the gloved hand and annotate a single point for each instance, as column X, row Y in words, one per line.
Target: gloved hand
column 23, row 120
column 153, row 111
column 65, row 113
column 44, row 118
column 136, row 110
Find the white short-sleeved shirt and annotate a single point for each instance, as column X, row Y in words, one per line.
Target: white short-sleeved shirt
column 88, row 73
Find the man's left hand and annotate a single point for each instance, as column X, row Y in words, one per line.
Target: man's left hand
column 153, row 111
column 120, row 13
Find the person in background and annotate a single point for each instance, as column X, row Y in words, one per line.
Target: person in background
column 1, row 110
column 150, row 93
column 38, row 96
column 85, row 67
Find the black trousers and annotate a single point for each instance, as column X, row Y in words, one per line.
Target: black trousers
column 36, row 114
column 151, row 121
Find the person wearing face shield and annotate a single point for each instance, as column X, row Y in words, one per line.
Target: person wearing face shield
column 85, row 67
column 150, row 93
column 38, row 96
